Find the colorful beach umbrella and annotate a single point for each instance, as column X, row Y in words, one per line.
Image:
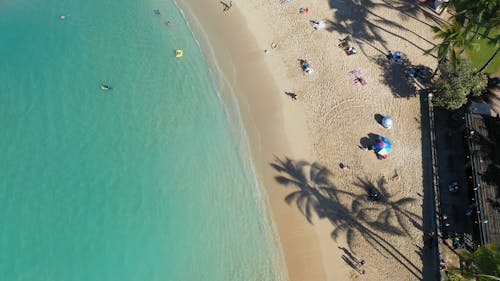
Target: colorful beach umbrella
column 383, row 147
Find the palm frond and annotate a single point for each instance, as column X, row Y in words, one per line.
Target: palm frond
column 292, row 197
column 287, row 181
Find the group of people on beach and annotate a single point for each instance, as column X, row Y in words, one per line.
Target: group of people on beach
column 344, row 44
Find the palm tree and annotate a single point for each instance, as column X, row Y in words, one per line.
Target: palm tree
column 478, row 14
column 453, row 39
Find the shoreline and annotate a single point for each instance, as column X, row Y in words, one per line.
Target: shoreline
column 275, row 125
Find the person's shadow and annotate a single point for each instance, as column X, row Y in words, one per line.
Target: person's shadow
column 348, row 254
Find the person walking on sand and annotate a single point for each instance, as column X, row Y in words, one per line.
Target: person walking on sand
column 345, row 167
column 226, row 6
column 292, row 95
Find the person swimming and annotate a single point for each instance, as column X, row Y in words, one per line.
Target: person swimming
column 62, row 17
column 105, row 87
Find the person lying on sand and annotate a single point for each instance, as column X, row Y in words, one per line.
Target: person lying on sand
column 344, row 43
column 351, row 50
column 304, row 10
column 306, row 67
column 318, row 24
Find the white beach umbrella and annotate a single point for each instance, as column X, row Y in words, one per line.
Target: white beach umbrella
column 387, row 122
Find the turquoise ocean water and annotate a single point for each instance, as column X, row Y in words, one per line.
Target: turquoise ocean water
column 144, row 182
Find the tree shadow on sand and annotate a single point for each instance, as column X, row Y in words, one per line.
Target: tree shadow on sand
column 357, row 18
column 389, row 208
column 349, row 212
column 397, row 76
column 309, row 179
column 412, row 8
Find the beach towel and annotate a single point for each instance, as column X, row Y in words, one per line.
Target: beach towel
column 356, row 77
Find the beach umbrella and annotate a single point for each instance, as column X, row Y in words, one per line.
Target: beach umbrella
column 383, row 147
column 387, row 122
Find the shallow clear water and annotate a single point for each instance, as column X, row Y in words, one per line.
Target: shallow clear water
column 142, row 182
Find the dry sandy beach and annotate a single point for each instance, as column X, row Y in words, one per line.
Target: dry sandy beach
column 321, row 211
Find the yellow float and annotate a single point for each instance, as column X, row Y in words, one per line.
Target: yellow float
column 179, row 53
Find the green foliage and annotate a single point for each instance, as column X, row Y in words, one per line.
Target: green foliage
column 453, row 38
column 452, row 277
column 474, row 21
column 484, row 50
column 486, row 262
column 455, row 85
column 477, row 14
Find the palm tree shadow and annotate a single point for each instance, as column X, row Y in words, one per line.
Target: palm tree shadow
column 348, row 212
column 356, row 17
column 395, row 76
column 413, row 8
column 389, row 208
column 309, row 179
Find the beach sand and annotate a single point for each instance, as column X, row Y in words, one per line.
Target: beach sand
column 257, row 45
